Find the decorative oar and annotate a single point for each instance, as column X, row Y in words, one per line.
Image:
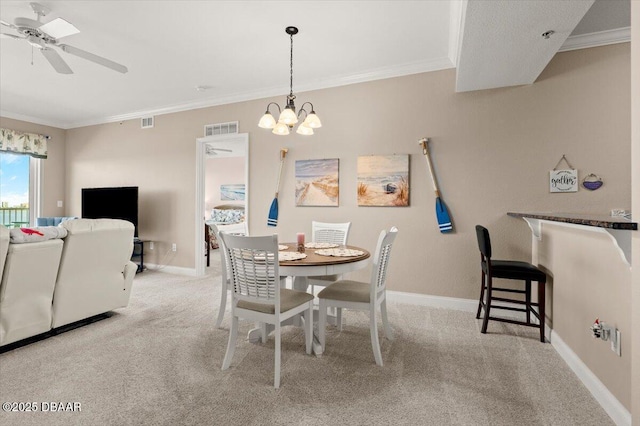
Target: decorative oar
column 442, row 214
column 273, row 211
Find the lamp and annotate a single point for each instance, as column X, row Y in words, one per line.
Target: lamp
column 287, row 116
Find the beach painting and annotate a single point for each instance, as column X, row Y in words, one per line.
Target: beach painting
column 383, row 180
column 317, row 182
column 234, row 192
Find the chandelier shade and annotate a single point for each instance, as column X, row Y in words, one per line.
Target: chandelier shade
column 288, row 118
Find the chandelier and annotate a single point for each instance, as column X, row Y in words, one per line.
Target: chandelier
column 288, row 117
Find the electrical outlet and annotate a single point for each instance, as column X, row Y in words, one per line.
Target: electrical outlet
column 615, row 342
column 59, row 203
column 174, row 247
column 150, row 245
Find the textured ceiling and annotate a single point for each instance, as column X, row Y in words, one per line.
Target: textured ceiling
column 239, row 50
column 502, row 43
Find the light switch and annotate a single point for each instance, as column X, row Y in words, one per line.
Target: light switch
column 59, row 203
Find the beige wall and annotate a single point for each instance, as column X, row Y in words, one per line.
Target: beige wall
column 492, row 150
column 53, row 177
column 635, row 160
column 589, row 279
column 220, row 171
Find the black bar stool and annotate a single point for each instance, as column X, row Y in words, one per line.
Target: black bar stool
column 513, row 270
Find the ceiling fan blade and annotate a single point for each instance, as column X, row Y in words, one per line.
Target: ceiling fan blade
column 93, row 58
column 5, row 35
column 221, row 149
column 56, row 61
column 6, row 24
column 59, row 28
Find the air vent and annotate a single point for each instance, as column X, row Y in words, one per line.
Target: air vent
column 221, row 128
column 147, row 122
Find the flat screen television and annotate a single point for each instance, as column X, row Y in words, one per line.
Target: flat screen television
column 111, row 203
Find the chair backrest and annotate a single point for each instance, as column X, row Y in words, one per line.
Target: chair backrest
column 240, row 228
column 484, row 242
column 235, row 229
column 254, row 268
column 381, row 261
column 336, row 233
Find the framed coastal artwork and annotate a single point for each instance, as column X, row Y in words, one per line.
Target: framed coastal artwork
column 317, row 182
column 233, row 192
column 383, row 180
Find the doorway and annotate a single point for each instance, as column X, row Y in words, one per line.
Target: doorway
column 218, row 147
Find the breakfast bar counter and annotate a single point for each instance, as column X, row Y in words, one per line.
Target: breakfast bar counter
column 616, row 228
column 601, row 221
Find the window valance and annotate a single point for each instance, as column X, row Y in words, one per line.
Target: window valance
column 16, row 142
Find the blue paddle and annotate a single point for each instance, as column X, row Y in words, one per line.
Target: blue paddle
column 273, row 210
column 442, row 214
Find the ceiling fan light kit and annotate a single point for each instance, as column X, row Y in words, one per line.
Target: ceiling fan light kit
column 45, row 35
column 287, row 116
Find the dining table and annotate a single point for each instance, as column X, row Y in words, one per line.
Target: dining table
column 318, row 260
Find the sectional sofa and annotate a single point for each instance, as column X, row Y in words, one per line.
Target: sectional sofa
column 49, row 284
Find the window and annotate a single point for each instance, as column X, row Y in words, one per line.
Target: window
column 19, row 189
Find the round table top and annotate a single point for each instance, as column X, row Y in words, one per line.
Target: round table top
column 314, row 259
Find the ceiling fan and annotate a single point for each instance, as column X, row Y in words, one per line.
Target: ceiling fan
column 212, row 150
column 45, row 35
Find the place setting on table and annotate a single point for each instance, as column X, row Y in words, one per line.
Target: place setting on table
column 318, row 253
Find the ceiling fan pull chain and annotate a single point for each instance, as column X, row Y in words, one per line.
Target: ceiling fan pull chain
column 31, row 55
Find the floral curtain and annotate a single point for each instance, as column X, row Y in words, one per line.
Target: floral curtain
column 16, row 142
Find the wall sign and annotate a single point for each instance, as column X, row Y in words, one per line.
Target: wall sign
column 563, row 180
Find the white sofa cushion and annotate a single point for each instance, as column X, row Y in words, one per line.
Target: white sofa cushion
column 4, row 247
column 38, row 233
column 26, row 289
column 95, row 273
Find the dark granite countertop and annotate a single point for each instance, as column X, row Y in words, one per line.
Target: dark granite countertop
column 601, row 221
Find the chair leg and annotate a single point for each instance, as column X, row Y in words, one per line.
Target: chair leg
column 385, row 320
column 308, row 327
column 276, row 377
column 208, row 253
column 373, row 327
column 263, row 331
column 223, row 304
column 487, row 304
column 481, row 296
column 339, row 318
column 541, row 308
column 322, row 322
column 527, row 296
column 231, row 346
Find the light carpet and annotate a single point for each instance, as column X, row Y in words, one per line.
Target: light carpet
column 157, row 362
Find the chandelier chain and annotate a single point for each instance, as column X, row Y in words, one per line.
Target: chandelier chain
column 291, row 69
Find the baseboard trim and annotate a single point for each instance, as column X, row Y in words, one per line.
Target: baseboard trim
column 618, row 413
column 467, row 305
column 178, row 270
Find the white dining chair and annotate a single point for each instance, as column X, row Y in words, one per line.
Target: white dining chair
column 323, row 232
column 347, row 294
column 335, row 233
column 235, row 229
column 257, row 295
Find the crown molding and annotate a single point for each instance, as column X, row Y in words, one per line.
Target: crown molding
column 457, row 13
column 377, row 74
column 601, row 38
column 35, row 120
